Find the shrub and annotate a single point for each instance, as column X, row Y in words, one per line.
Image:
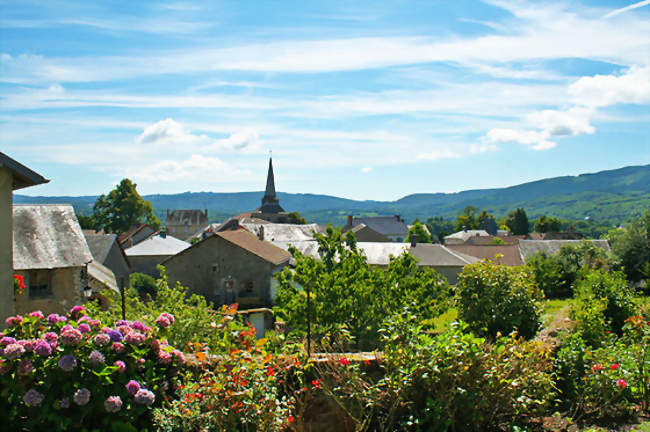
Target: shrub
column 495, row 298
column 569, row 367
column 611, row 288
column 73, row 372
column 242, row 391
column 553, row 276
column 144, row 284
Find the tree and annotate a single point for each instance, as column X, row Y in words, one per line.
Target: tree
column 466, row 219
column 517, row 222
column 487, row 222
column 348, row 293
column 545, row 224
column 418, row 233
column 631, row 245
column 439, row 227
column 86, row 222
column 295, row 218
column 123, row 208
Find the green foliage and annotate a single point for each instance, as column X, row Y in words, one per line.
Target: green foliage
column 295, row 218
column 612, row 290
column 418, row 234
column 569, row 367
column 346, row 292
column 517, row 222
column 631, row 245
column 144, row 285
column 499, row 299
column 466, row 219
column 497, row 241
column 439, row 228
column 64, row 357
column 545, row 224
column 122, row 208
column 450, row 381
column 196, row 321
column 85, row 222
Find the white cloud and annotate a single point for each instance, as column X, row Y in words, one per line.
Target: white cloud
column 169, row 132
column 533, row 139
column 194, row 167
column 574, row 121
column 366, row 170
column 247, row 140
column 633, row 86
column 627, row 8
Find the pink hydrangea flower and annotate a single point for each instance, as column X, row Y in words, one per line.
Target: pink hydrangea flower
column 51, row 337
column 164, row 358
column 76, row 311
column 37, row 314
column 118, row 347
column 66, row 327
column 43, row 348
column 121, row 366
column 14, row 321
column 144, row 397
column 113, row 404
column 137, row 325
column 25, row 367
column 84, row 328
column 162, row 322
column 621, row 384
column 82, row 396
column 134, row 338
column 179, row 356
column 169, row 317
column 7, row 340
column 28, row 344
column 95, row 323
column 132, row 387
column 67, row 363
column 102, row 339
column 70, row 337
column 96, row 358
column 13, row 351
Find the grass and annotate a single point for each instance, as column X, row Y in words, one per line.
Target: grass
column 552, row 307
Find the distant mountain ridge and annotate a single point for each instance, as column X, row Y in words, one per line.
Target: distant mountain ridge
column 611, row 196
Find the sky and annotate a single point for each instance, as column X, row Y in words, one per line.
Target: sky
column 365, row 99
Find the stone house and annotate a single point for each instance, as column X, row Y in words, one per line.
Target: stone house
column 392, row 227
column 228, row 267
column 183, row 224
column 51, row 253
column 106, row 250
column 13, row 176
column 146, row 255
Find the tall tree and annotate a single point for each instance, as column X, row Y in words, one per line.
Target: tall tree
column 545, row 224
column 439, row 227
column 466, row 219
column 631, row 245
column 123, row 208
column 487, row 222
column 517, row 222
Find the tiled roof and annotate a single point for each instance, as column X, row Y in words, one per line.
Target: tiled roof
column 263, row 249
column 386, row 225
column 280, row 232
column 511, row 256
column 47, row 237
column 158, row 246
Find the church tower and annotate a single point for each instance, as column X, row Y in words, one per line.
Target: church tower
column 270, row 209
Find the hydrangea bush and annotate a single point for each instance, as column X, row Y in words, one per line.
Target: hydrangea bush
column 73, row 372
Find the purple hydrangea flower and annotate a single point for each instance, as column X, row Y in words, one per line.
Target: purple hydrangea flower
column 33, row 398
column 13, row 351
column 53, row 318
column 113, row 404
column 137, row 325
column 67, row 363
column 96, row 358
column 144, row 397
column 43, row 348
column 121, row 323
column 81, row 397
column 84, row 328
column 102, row 339
column 115, row 336
column 132, row 387
column 7, row 340
column 121, row 366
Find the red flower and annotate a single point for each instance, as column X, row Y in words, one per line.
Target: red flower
column 614, row 366
column 290, row 419
column 366, row 362
column 21, row 281
column 621, row 384
column 316, row 383
column 344, row 361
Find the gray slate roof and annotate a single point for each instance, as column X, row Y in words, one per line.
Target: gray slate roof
column 436, row 255
column 280, row 232
column 100, row 245
column 386, row 225
column 104, row 275
column 158, row 246
column 465, row 235
column 48, row 236
column 528, row 248
column 23, row 176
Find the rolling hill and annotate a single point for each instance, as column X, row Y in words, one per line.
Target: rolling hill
column 607, row 196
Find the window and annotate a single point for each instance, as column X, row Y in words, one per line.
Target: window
column 247, row 289
column 40, row 284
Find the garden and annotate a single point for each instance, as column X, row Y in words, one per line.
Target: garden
column 562, row 343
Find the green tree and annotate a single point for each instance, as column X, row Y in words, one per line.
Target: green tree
column 467, row 219
column 144, row 284
column 295, row 218
column 545, row 224
column 418, row 233
column 631, row 245
column 348, row 293
column 487, row 222
column 439, row 227
column 86, row 222
column 122, row 208
column 517, row 222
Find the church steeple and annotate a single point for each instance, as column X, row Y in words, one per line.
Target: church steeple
column 270, row 202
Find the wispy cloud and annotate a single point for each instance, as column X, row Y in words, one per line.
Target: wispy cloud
column 627, row 8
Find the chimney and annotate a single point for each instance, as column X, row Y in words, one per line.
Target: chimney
column 349, row 220
column 414, row 242
column 163, row 234
column 465, row 228
column 260, row 233
column 167, row 213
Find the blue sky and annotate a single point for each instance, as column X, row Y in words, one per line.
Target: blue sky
column 366, row 100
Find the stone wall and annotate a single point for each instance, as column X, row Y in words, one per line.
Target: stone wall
column 66, row 292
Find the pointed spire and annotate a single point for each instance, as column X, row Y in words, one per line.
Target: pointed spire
column 270, row 182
